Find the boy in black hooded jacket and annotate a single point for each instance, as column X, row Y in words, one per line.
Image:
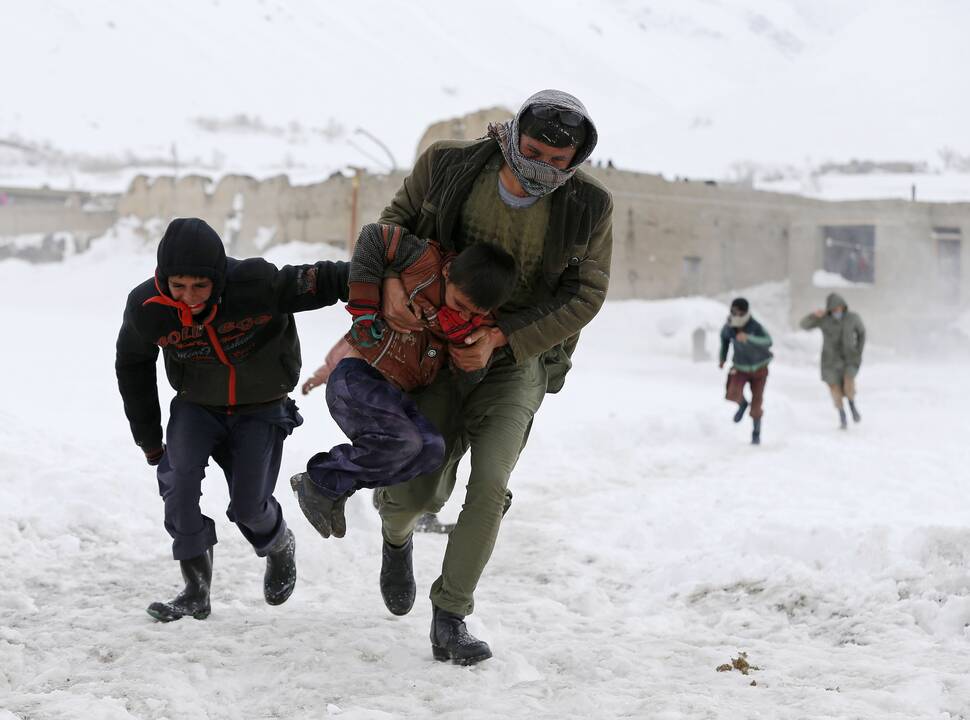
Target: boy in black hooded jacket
column 232, row 354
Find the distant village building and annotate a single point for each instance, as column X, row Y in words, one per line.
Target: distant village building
column 893, row 260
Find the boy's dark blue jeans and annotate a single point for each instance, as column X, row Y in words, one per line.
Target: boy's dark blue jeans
column 248, row 447
column 391, row 442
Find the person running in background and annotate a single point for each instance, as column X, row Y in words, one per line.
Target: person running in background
column 750, row 360
column 843, row 339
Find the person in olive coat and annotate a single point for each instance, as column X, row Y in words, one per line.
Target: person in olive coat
column 843, row 339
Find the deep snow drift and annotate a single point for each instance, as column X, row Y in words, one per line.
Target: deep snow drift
column 648, row 542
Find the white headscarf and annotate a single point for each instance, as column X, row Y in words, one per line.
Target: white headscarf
column 539, row 178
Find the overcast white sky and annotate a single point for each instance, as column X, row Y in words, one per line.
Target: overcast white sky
column 676, row 86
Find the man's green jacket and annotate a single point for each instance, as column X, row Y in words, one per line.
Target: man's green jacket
column 576, row 258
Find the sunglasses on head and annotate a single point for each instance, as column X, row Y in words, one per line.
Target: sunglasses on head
column 569, row 118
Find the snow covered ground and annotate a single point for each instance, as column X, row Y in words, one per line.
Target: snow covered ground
column 648, row 543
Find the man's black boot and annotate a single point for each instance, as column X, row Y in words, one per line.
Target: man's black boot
column 280, row 577
column 742, row 406
column 325, row 514
column 843, row 421
column 856, row 417
column 756, row 432
column 450, row 640
column 194, row 599
column 397, row 577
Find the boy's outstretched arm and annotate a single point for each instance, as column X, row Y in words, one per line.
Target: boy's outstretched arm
column 337, row 353
column 310, row 287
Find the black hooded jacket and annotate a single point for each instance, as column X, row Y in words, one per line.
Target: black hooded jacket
column 241, row 350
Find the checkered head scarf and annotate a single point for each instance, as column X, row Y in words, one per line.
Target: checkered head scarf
column 539, row 178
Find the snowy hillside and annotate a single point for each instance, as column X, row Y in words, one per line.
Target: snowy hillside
column 648, row 542
column 93, row 94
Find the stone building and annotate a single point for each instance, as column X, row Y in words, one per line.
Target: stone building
column 892, row 260
column 41, row 225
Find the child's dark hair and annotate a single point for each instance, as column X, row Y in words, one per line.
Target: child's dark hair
column 486, row 273
column 740, row 303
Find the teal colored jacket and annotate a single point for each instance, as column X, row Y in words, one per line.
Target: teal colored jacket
column 751, row 355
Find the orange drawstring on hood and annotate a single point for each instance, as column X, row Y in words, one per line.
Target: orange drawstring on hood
column 185, row 312
column 190, row 247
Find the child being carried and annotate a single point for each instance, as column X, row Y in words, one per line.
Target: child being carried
column 370, row 370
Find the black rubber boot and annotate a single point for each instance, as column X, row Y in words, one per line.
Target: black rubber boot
column 326, row 515
column 280, row 577
column 756, row 432
column 742, row 406
column 856, row 417
column 194, row 599
column 397, row 577
column 843, row 421
column 450, row 640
